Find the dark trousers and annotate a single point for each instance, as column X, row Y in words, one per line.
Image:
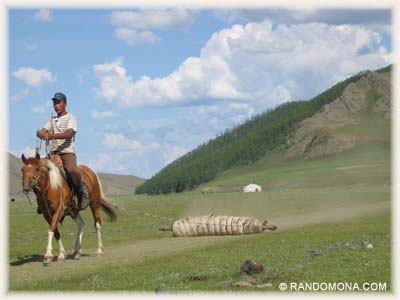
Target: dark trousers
column 69, row 162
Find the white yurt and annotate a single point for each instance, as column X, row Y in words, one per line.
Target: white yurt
column 252, row 188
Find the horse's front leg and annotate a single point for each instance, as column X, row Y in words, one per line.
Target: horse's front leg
column 48, row 257
column 62, row 255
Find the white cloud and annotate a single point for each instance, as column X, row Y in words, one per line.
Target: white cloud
column 133, row 156
column 108, row 163
column 134, row 27
column 124, row 147
column 34, row 77
column 81, row 75
column 221, row 116
column 121, row 162
column 119, row 141
column 256, row 62
column 42, row 109
column 152, row 19
column 172, row 153
column 115, row 140
column 103, row 114
column 131, row 36
column 28, row 151
column 332, row 16
column 145, row 145
column 21, row 94
column 43, row 15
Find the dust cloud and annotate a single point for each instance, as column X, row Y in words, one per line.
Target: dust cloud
column 288, row 218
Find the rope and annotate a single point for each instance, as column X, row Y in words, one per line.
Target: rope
column 38, row 187
column 61, row 200
column 50, row 155
column 27, row 195
column 48, row 152
column 38, row 146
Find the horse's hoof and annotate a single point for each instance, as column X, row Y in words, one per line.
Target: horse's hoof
column 77, row 256
column 61, row 258
column 47, row 260
column 99, row 253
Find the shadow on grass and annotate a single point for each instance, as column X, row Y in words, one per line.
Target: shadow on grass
column 27, row 259
column 37, row 258
column 70, row 256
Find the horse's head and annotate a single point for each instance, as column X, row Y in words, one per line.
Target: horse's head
column 30, row 172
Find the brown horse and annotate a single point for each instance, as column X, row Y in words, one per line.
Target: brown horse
column 53, row 196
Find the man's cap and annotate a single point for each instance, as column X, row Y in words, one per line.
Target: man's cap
column 59, row 96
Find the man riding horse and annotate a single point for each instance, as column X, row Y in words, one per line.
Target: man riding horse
column 60, row 131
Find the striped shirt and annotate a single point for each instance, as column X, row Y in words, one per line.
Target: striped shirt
column 61, row 125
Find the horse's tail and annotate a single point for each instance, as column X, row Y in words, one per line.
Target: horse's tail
column 106, row 206
column 109, row 210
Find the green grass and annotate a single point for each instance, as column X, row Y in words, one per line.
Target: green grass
column 319, row 253
column 138, row 257
column 369, row 162
column 327, row 210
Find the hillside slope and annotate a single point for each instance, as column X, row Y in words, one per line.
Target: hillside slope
column 15, row 176
column 113, row 184
column 321, row 134
column 116, row 185
column 302, row 128
column 345, row 146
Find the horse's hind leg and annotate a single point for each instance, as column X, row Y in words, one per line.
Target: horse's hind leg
column 62, row 255
column 97, row 225
column 78, row 242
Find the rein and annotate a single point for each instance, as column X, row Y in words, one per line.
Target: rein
column 27, row 196
column 37, row 186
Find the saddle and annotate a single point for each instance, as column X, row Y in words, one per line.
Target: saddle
column 56, row 159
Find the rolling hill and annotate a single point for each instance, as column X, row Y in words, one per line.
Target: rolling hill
column 330, row 123
column 113, row 184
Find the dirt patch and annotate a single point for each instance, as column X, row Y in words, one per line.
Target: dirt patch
column 331, row 215
column 212, row 189
column 358, row 167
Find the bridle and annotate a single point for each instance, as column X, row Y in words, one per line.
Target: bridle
column 36, row 184
column 35, row 179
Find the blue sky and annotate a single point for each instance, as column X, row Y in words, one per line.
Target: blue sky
column 149, row 85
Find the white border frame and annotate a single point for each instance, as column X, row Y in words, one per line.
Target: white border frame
column 394, row 5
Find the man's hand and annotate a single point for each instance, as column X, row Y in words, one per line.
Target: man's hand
column 53, row 136
column 41, row 134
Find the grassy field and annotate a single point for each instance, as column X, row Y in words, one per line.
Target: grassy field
column 327, row 211
column 333, row 215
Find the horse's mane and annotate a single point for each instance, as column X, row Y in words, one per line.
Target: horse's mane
column 55, row 177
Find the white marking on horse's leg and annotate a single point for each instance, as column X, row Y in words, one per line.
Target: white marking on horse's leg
column 48, row 257
column 78, row 242
column 99, row 241
column 61, row 256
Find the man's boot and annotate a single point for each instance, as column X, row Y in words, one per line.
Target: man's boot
column 68, row 211
column 39, row 211
column 83, row 196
